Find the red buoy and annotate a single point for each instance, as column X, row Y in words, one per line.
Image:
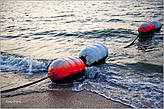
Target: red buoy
column 66, row 69
column 146, row 28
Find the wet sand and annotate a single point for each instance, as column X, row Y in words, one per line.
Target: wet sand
column 60, row 99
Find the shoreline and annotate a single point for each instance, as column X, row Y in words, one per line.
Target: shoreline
column 60, row 99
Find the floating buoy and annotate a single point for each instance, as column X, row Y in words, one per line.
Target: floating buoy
column 66, row 69
column 94, row 54
column 149, row 27
column 157, row 24
column 146, row 28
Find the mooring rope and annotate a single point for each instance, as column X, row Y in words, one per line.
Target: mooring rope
column 12, row 89
column 132, row 42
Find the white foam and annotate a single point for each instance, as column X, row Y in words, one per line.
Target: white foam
column 16, row 63
column 30, row 65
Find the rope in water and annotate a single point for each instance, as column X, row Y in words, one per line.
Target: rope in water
column 12, row 89
column 132, row 42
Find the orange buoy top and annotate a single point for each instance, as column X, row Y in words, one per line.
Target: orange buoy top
column 146, row 28
column 66, row 69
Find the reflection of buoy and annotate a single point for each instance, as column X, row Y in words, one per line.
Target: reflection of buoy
column 94, row 54
column 66, row 69
column 149, row 27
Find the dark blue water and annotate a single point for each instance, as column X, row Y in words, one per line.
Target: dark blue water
column 33, row 33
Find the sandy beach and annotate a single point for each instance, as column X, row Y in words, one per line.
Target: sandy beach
column 60, row 99
column 63, row 98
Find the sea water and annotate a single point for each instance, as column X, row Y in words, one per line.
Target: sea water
column 33, row 33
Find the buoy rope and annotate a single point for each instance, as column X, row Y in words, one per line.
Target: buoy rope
column 12, row 89
column 132, row 42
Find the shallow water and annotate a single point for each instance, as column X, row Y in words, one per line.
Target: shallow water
column 33, row 33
